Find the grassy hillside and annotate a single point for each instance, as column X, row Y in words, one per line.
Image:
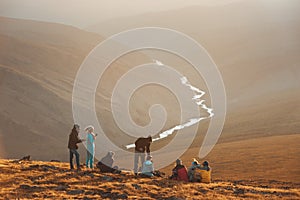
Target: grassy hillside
column 41, row 180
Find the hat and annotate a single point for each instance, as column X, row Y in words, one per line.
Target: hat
column 89, row 128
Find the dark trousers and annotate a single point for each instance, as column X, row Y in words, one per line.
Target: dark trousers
column 105, row 169
column 72, row 152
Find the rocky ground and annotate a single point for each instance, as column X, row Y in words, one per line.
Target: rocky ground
column 53, row 180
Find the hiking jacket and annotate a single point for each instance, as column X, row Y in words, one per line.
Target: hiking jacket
column 142, row 145
column 90, row 143
column 147, row 167
column 73, row 140
column 191, row 173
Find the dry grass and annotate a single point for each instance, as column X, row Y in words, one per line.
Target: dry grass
column 48, row 180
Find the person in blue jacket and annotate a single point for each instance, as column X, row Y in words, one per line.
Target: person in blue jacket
column 90, row 146
column 148, row 168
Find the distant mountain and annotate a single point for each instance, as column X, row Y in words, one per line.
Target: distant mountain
column 256, row 47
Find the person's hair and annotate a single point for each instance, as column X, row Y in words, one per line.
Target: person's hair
column 205, row 163
column 195, row 162
column 178, row 162
column 149, row 157
column 76, row 126
column 89, row 128
column 74, row 129
column 150, row 138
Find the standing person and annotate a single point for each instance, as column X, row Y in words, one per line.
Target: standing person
column 90, row 146
column 179, row 172
column 72, row 145
column 148, row 168
column 142, row 145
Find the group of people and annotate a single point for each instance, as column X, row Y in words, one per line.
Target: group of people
column 195, row 173
column 105, row 164
column 73, row 147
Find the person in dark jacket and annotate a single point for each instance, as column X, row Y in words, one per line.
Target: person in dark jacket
column 72, row 145
column 142, row 145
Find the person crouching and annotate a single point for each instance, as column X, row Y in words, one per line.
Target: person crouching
column 148, row 168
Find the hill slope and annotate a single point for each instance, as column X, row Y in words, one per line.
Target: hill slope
column 38, row 62
column 42, row 180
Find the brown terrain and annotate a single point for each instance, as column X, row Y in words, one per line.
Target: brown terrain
column 257, row 155
column 52, row 180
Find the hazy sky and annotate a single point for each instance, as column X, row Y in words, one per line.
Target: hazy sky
column 83, row 13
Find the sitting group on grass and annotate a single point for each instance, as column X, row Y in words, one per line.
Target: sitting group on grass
column 195, row 173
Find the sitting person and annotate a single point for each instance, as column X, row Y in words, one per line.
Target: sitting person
column 193, row 175
column 179, row 172
column 148, row 169
column 205, row 172
column 199, row 173
column 106, row 164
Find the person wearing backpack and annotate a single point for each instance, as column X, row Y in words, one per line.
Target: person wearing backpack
column 179, row 172
column 205, row 172
column 200, row 173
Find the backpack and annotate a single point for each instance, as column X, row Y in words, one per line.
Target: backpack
column 205, row 175
column 182, row 174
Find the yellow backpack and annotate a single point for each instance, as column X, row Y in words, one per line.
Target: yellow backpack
column 205, row 175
